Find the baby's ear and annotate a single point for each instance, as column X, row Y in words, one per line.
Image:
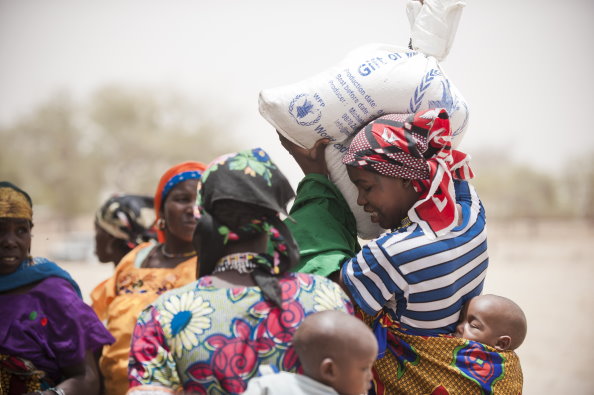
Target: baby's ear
column 503, row 343
column 328, row 370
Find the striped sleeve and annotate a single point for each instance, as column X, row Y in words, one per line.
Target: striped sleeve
column 423, row 282
column 371, row 278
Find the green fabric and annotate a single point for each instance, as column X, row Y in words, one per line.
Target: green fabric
column 324, row 227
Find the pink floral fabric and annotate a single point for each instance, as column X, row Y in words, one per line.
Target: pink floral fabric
column 207, row 340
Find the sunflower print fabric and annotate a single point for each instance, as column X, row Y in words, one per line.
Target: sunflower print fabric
column 202, row 339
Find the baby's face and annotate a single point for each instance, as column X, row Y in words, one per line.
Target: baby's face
column 354, row 374
column 478, row 322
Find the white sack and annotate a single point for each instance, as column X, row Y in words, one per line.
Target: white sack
column 372, row 80
column 433, row 25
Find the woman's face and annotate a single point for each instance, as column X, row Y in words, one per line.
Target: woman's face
column 104, row 246
column 178, row 211
column 15, row 243
column 386, row 199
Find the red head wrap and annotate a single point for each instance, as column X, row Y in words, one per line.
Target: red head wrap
column 416, row 147
column 178, row 173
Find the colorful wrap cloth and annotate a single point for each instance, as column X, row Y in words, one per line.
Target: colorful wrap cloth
column 439, row 365
column 416, row 147
column 176, row 174
column 252, row 179
column 129, row 218
column 201, row 339
column 19, row 376
column 14, row 202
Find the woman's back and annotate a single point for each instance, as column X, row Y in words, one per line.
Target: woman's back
column 218, row 337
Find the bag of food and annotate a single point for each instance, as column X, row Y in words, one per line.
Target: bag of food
column 370, row 81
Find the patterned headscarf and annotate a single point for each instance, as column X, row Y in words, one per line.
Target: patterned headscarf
column 416, row 147
column 178, row 173
column 248, row 177
column 14, row 202
column 129, row 218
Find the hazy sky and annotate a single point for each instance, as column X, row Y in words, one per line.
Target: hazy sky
column 525, row 67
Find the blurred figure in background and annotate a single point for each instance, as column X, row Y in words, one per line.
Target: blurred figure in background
column 149, row 269
column 48, row 335
column 122, row 223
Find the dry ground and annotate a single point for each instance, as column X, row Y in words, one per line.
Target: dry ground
column 548, row 269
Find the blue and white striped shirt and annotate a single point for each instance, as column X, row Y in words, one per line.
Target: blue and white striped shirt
column 423, row 283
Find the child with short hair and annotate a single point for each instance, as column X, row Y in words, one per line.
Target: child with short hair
column 336, row 351
column 493, row 320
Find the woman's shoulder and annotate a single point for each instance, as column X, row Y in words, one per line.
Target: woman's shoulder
column 176, row 292
column 316, row 292
column 135, row 257
column 309, row 281
column 54, row 291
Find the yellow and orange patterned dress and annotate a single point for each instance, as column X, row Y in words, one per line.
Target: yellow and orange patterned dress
column 119, row 301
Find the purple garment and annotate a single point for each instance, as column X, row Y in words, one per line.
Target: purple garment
column 50, row 326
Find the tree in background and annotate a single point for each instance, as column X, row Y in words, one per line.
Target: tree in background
column 577, row 187
column 71, row 155
column 517, row 191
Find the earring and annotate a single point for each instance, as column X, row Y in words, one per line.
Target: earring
column 161, row 223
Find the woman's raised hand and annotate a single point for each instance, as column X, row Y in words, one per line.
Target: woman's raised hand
column 309, row 160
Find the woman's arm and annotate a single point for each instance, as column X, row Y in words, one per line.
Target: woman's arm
column 321, row 220
column 323, row 226
column 311, row 161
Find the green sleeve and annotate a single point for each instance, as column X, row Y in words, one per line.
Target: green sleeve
column 324, row 227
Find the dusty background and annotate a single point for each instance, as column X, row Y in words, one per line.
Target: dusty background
column 545, row 266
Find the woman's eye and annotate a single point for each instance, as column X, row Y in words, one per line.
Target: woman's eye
column 182, row 199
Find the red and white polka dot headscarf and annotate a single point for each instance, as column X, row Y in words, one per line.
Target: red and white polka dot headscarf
column 416, row 147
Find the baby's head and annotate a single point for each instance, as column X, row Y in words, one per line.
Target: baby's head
column 338, row 350
column 493, row 320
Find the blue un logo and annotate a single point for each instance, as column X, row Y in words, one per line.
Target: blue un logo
column 304, row 110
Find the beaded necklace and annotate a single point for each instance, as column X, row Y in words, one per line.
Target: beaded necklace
column 406, row 222
column 242, row 262
column 171, row 256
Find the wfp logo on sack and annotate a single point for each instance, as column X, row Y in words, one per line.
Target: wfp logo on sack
column 305, row 109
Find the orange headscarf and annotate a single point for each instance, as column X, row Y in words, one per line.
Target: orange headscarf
column 178, row 173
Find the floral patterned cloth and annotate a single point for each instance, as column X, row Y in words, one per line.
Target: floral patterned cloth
column 439, row 365
column 204, row 339
column 120, row 300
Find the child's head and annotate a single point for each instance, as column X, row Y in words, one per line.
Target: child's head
column 403, row 165
column 493, row 320
column 338, row 350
